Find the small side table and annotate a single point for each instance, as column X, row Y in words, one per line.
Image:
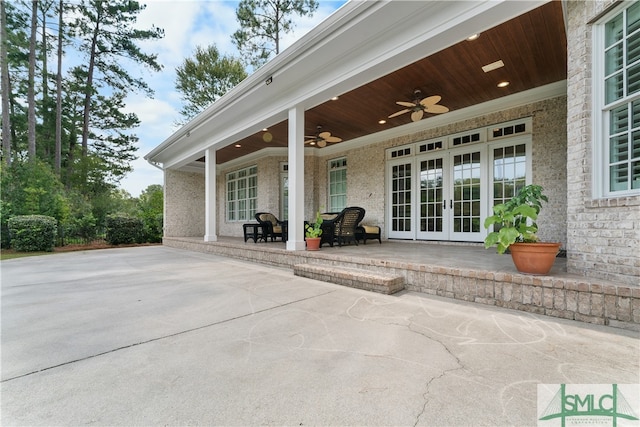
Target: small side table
column 254, row 231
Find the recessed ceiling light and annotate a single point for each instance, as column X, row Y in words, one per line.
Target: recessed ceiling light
column 381, row 122
column 238, row 145
column 265, row 129
column 493, row 66
column 503, row 84
column 335, row 98
column 473, row 37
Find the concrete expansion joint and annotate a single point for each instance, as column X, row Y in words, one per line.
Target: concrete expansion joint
column 175, row 334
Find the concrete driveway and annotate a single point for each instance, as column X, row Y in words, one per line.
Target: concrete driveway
column 160, row 336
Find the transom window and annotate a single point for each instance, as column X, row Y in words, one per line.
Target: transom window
column 619, row 39
column 242, row 194
column 337, row 184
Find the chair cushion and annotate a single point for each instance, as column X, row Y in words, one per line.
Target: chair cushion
column 328, row 216
column 277, row 229
column 371, row 229
column 268, row 218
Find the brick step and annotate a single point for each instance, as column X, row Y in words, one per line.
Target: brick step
column 354, row 278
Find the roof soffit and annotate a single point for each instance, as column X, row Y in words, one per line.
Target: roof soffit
column 352, row 49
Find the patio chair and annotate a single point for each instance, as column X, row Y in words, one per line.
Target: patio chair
column 364, row 232
column 346, row 223
column 328, row 227
column 272, row 226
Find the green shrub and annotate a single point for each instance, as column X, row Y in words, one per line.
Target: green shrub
column 153, row 229
column 5, row 214
column 123, row 230
column 32, row 233
column 82, row 228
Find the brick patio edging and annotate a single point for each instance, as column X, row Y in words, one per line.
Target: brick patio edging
column 581, row 299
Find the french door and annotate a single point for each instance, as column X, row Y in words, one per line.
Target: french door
column 445, row 194
column 451, row 201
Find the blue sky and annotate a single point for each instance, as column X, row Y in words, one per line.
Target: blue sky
column 187, row 24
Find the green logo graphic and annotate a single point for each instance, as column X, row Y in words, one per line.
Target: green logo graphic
column 583, row 402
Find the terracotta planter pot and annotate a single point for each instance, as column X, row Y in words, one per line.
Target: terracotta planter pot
column 313, row 243
column 534, row 258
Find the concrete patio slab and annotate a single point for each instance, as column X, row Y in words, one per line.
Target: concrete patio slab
column 161, row 336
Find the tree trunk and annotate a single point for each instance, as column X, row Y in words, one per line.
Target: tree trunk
column 58, row 149
column 4, row 76
column 31, row 95
column 88, row 93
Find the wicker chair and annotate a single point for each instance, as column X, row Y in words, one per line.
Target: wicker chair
column 346, row 223
column 272, row 226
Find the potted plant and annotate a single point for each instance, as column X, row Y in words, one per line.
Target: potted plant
column 515, row 229
column 313, row 232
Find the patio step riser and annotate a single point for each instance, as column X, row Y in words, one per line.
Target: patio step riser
column 354, row 278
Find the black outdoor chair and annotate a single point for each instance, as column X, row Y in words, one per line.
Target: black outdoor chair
column 328, row 227
column 346, row 223
column 272, row 226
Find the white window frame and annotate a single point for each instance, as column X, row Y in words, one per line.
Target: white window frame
column 336, row 165
column 250, row 199
column 601, row 111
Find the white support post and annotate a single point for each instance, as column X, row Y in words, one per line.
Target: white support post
column 210, row 224
column 295, row 240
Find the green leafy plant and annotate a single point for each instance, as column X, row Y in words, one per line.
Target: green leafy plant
column 315, row 229
column 32, row 233
column 122, row 229
column 514, row 221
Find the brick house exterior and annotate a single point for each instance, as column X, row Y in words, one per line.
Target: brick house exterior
column 601, row 234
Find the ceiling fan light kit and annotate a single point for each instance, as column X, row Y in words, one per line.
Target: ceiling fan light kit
column 418, row 107
column 320, row 139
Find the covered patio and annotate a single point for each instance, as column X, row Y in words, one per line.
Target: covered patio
column 461, row 271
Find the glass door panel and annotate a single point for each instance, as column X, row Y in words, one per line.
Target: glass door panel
column 400, row 214
column 467, row 200
column 433, row 222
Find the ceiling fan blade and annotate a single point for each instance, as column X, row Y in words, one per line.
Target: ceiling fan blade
column 396, row 114
column 416, row 116
column 430, row 100
column 322, row 143
column 309, row 141
column 324, row 135
column 406, row 104
column 333, row 139
column 436, row 109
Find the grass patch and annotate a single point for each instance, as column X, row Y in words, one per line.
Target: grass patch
column 11, row 254
column 98, row 244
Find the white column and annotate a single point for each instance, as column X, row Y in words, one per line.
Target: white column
column 295, row 241
column 210, row 225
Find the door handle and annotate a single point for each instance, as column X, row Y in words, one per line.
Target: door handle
column 444, row 204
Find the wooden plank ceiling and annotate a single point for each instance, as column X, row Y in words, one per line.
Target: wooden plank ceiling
column 532, row 47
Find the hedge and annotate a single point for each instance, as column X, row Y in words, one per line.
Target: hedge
column 32, row 233
column 124, row 230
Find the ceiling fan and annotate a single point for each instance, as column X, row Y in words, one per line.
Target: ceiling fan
column 320, row 139
column 420, row 106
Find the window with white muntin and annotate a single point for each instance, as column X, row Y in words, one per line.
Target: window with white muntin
column 616, row 93
column 242, row 194
column 337, row 184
